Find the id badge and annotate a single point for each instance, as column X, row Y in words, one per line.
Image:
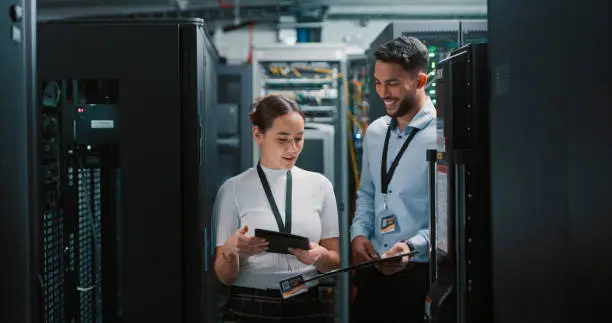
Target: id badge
column 388, row 224
column 293, row 286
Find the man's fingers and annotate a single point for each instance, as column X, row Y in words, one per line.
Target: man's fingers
column 395, row 250
column 370, row 252
column 365, row 255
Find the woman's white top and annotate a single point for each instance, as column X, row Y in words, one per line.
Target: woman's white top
column 241, row 200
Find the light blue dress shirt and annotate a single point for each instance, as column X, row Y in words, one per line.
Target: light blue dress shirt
column 408, row 193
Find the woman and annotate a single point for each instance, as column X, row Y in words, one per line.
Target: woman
column 258, row 199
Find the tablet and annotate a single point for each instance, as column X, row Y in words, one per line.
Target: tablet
column 280, row 242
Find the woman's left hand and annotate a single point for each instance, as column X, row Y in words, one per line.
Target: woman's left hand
column 311, row 256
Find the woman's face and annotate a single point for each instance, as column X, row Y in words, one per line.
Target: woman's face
column 282, row 143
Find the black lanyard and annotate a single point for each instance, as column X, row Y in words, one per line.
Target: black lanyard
column 264, row 181
column 385, row 177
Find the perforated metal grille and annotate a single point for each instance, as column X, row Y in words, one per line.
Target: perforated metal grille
column 53, row 266
column 97, row 208
column 90, row 263
column 85, row 245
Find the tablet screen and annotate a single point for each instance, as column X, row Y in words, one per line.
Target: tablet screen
column 280, row 242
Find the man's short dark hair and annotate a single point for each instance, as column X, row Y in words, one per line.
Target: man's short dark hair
column 408, row 52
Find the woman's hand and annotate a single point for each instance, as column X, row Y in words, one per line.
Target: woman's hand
column 243, row 246
column 311, row 256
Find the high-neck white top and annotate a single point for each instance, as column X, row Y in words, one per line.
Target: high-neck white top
column 241, row 200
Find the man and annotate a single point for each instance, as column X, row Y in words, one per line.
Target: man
column 392, row 212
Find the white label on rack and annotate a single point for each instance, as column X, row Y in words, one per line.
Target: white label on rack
column 102, row 124
column 440, row 140
column 442, row 208
column 439, row 74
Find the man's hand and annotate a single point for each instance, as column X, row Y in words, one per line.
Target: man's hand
column 311, row 256
column 241, row 245
column 362, row 250
column 393, row 267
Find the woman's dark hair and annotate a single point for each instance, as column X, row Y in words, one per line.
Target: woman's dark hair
column 267, row 109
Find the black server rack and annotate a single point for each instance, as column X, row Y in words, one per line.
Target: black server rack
column 126, row 114
column 18, row 169
column 208, row 177
column 551, row 146
column 459, row 195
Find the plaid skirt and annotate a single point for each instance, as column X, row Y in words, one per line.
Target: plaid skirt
column 247, row 305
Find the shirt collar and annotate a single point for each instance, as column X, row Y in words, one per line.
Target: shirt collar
column 421, row 119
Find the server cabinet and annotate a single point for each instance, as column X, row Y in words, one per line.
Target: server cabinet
column 315, row 76
column 130, row 125
column 234, row 144
column 235, row 139
column 460, row 238
column 551, row 146
column 209, row 166
column 19, row 202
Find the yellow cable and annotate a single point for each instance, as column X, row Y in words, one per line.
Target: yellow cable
column 350, row 117
column 296, row 72
column 354, row 162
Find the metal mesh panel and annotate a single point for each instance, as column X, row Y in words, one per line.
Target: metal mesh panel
column 85, row 245
column 97, row 207
column 52, row 224
column 89, row 244
column 53, row 266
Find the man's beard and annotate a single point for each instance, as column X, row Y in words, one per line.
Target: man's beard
column 406, row 105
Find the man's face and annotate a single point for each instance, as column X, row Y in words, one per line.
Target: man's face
column 283, row 142
column 397, row 88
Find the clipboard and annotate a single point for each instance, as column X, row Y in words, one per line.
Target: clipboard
column 397, row 258
column 296, row 285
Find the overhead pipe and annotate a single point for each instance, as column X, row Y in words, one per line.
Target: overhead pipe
column 408, row 11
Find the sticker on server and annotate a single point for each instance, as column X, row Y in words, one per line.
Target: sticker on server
column 102, row 124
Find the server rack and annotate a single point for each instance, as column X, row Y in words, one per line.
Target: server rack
column 550, row 178
column 440, row 36
column 473, row 32
column 130, row 122
column 460, row 261
column 235, row 100
column 209, row 160
column 315, row 76
column 19, row 201
column 358, row 121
